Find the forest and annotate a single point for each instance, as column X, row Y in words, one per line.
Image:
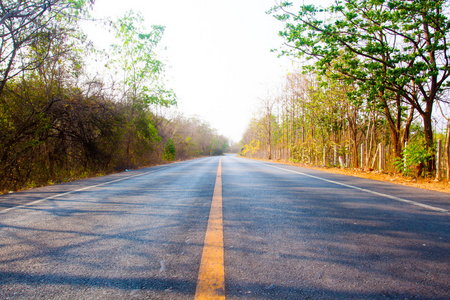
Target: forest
column 372, row 91
column 62, row 119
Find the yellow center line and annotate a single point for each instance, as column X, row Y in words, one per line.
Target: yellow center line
column 211, row 276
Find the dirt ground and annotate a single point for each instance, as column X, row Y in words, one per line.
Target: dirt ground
column 424, row 183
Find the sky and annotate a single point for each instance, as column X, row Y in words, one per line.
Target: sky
column 217, row 54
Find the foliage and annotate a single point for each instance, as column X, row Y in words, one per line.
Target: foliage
column 193, row 137
column 136, row 58
column 48, row 135
column 219, row 145
column 251, row 148
column 415, row 156
column 169, row 151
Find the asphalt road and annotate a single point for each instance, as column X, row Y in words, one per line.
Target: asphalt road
column 289, row 233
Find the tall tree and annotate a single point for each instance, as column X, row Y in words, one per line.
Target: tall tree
column 141, row 75
column 386, row 46
column 135, row 57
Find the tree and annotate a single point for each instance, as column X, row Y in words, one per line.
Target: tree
column 268, row 121
column 22, row 23
column 219, row 145
column 135, row 57
column 388, row 47
column 37, row 136
column 142, row 72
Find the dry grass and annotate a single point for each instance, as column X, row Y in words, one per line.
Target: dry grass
column 424, row 183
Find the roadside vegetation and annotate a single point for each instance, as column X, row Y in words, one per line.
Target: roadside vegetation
column 69, row 111
column 372, row 92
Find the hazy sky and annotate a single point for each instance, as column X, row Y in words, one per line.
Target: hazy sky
column 218, row 54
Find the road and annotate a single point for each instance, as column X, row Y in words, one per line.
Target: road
column 288, row 233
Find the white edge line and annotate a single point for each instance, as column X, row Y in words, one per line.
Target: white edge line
column 365, row 190
column 71, row 192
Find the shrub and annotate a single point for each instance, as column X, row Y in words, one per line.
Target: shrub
column 169, row 151
column 414, row 157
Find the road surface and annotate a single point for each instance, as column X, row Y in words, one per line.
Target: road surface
column 288, row 233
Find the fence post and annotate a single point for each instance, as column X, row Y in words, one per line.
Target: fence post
column 388, row 159
column 404, row 157
column 381, row 164
column 438, row 160
column 335, row 155
column 362, row 155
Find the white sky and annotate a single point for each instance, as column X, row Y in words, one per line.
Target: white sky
column 218, row 54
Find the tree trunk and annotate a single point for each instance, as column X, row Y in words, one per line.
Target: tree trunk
column 394, row 126
column 428, row 130
column 6, row 72
column 269, row 154
column 408, row 126
column 353, row 136
column 447, row 150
